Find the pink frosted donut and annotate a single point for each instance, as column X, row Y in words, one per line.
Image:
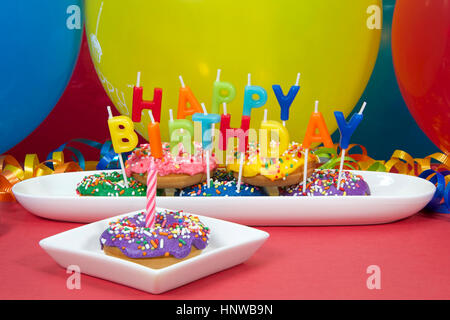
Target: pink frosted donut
column 169, row 164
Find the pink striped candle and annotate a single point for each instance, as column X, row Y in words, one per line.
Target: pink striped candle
column 150, row 206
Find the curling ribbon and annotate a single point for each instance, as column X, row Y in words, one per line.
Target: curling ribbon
column 108, row 158
column 11, row 172
column 440, row 202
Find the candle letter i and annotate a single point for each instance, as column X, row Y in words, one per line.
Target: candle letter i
column 123, row 137
column 346, row 130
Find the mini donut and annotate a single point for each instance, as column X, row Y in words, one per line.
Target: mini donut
column 175, row 237
column 324, row 183
column 174, row 171
column 223, row 184
column 285, row 170
column 109, row 184
column 172, row 180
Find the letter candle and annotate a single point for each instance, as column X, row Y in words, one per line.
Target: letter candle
column 266, row 148
column 139, row 104
column 241, row 161
column 316, row 122
column 206, row 120
column 123, row 137
column 223, row 92
column 180, row 130
column 285, row 101
column 186, row 96
column 249, row 102
column 227, row 132
column 154, row 137
column 346, row 130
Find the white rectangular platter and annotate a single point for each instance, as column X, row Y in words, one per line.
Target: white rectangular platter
column 394, row 197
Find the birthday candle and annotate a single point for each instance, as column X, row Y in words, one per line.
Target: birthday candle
column 266, row 150
column 316, row 123
column 154, row 137
column 206, row 120
column 249, row 102
column 240, row 133
column 285, row 101
column 150, row 206
column 223, row 92
column 123, row 137
column 186, row 96
column 346, row 130
column 140, row 104
column 180, row 130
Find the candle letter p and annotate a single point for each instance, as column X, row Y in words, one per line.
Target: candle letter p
column 249, row 102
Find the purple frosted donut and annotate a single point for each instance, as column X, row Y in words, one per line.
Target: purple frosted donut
column 173, row 234
column 325, row 183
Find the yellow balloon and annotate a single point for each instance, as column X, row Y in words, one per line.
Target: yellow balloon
column 331, row 43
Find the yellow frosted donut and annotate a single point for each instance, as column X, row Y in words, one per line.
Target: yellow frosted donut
column 272, row 168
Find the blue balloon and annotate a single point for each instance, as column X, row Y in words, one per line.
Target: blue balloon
column 388, row 124
column 41, row 40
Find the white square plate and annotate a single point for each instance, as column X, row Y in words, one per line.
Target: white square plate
column 393, row 197
column 230, row 244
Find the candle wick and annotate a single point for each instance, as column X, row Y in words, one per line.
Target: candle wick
column 151, row 116
column 265, row 115
column 204, row 108
column 138, row 80
column 363, row 107
column 284, row 123
column 109, row 112
column 298, row 79
column 218, row 75
column 316, row 107
column 224, row 108
column 182, row 82
column 170, row 115
column 249, row 79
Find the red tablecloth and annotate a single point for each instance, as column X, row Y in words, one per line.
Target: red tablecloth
column 294, row 263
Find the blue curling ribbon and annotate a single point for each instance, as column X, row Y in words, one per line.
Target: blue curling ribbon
column 442, row 191
column 108, row 158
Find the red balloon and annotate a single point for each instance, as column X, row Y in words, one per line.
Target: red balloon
column 421, row 54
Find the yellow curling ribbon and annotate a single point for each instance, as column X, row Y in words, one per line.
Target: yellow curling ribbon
column 400, row 161
column 11, row 172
